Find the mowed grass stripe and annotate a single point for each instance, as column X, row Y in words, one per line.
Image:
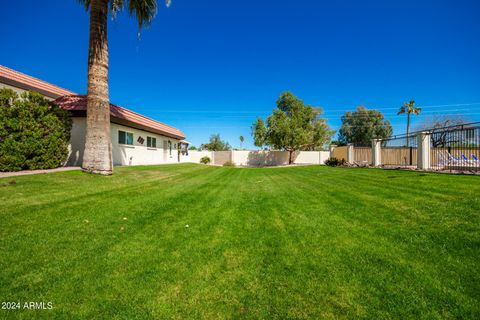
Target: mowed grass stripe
column 303, row 242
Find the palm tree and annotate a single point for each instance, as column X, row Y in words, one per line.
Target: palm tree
column 409, row 108
column 241, row 142
column 97, row 157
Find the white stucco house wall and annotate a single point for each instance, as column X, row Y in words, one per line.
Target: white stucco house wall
column 136, row 139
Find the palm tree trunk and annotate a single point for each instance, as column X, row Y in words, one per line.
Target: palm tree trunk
column 408, row 127
column 97, row 157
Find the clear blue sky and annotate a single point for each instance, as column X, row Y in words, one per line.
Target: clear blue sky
column 214, row 66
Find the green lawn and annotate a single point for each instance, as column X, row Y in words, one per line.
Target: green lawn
column 303, row 242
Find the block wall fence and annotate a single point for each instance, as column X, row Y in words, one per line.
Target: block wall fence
column 456, row 148
column 257, row 158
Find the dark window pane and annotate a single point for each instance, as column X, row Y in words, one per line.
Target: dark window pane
column 121, row 137
column 151, row 142
column 129, row 138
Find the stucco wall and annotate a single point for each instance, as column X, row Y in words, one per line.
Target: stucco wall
column 194, row 156
column 136, row 154
column 77, row 142
column 259, row 158
column 276, row 158
column 220, row 157
column 140, row 154
column 312, row 157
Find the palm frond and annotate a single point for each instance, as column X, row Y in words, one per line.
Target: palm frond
column 416, row 111
column 116, row 6
column 85, row 3
column 143, row 10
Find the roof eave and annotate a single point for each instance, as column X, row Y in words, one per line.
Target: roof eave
column 144, row 128
column 27, row 87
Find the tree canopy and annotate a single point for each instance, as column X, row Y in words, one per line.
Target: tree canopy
column 144, row 11
column 216, row 144
column 292, row 126
column 362, row 125
column 409, row 108
column 34, row 132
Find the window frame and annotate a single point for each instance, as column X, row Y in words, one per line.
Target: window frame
column 153, row 142
column 127, row 133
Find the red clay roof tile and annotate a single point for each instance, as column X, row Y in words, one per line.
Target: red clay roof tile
column 79, row 103
column 33, row 83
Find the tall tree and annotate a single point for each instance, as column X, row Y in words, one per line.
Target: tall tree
column 34, row 132
column 97, row 157
column 292, row 126
column 409, row 108
column 259, row 133
column 362, row 125
column 241, row 142
column 216, row 144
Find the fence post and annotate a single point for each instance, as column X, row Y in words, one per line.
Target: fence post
column 350, row 154
column 423, row 150
column 376, row 152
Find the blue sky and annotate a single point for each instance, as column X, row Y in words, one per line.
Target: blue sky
column 214, row 66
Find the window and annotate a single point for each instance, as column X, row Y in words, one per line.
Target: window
column 151, row 142
column 170, row 147
column 125, row 137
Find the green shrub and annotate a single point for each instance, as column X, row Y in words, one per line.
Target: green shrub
column 205, row 160
column 333, row 162
column 229, row 164
column 34, row 132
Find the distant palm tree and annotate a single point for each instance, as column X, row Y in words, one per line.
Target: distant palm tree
column 409, row 108
column 241, row 141
column 97, row 157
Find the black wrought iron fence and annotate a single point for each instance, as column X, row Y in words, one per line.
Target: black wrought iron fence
column 456, row 147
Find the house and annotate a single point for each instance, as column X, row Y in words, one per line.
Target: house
column 136, row 139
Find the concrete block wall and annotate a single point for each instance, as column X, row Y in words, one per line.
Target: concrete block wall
column 258, row 158
column 194, row 156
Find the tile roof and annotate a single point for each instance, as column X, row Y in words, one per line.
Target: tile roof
column 71, row 101
column 31, row 83
column 128, row 117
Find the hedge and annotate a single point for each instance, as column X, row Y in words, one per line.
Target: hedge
column 34, row 132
